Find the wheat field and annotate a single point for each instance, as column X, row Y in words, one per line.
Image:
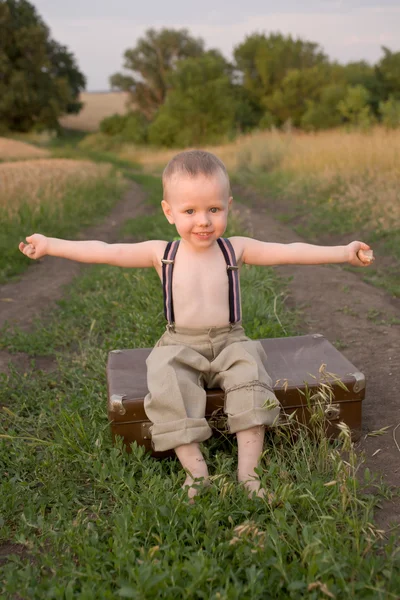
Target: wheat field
column 365, row 167
column 96, row 106
column 38, row 180
column 12, row 149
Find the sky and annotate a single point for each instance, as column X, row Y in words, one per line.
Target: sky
column 99, row 31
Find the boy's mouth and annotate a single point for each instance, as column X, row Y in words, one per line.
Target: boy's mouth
column 203, row 234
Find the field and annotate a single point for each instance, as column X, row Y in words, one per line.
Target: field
column 13, row 149
column 43, row 180
column 85, row 520
column 327, row 185
column 366, row 166
column 97, row 106
column 56, row 195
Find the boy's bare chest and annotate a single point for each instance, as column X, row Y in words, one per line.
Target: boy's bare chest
column 199, row 278
column 200, row 288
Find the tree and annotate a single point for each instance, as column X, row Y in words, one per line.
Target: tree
column 248, row 112
column 131, row 127
column 289, row 100
column 361, row 73
column 63, row 66
column 200, row 105
column 355, row 107
column 39, row 79
column 323, row 113
column 388, row 74
column 390, row 113
column 265, row 61
column 154, row 57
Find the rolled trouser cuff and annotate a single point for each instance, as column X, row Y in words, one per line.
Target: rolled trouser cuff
column 251, row 418
column 264, row 408
column 169, row 435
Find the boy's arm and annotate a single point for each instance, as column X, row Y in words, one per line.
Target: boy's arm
column 255, row 252
column 142, row 254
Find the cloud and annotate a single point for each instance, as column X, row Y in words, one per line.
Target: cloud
column 357, row 34
column 382, row 10
column 377, row 40
column 337, row 33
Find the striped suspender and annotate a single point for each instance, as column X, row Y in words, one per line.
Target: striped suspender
column 233, row 278
column 167, row 268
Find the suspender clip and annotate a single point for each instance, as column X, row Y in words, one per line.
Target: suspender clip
column 232, row 268
column 166, row 261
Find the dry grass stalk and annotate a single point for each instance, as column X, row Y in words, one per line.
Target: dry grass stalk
column 35, row 181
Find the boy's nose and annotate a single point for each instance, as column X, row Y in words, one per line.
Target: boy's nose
column 203, row 219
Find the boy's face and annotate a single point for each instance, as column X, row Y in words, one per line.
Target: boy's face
column 198, row 207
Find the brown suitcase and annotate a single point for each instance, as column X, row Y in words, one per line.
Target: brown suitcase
column 306, row 370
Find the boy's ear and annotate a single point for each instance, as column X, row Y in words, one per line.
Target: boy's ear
column 230, row 203
column 167, row 211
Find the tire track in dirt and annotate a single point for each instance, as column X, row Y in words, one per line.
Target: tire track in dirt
column 39, row 288
column 334, row 302
column 338, row 304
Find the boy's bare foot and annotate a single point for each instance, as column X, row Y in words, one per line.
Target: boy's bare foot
column 253, row 487
column 254, row 490
column 195, row 486
column 195, row 466
column 250, row 445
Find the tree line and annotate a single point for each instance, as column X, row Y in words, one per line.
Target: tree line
column 183, row 94
column 186, row 95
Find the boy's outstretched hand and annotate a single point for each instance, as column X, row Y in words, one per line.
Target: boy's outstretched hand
column 359, row 254
column 36, row 246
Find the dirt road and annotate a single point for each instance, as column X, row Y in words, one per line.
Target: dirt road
column 363, row 321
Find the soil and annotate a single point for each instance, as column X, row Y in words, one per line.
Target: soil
column 361, row 320
column 44, row 282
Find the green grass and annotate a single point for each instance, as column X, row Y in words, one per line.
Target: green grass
column 81, row 205
column 95, row 522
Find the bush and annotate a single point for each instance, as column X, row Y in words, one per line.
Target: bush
column 267, row 121
column 136, row 128
column 113, row 125
column 390, row 113
column 247, row 110
column 324, row 114
column 131, row 127
column 164, row 130
column 355, row 107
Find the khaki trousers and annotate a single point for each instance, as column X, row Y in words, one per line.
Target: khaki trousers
column 184, row 361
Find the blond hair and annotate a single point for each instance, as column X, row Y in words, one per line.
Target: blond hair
column 193, row 163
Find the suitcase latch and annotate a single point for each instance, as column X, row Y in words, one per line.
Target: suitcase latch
column 146, row 431
column 360, row 381
column 116, row 404
column 332, row 412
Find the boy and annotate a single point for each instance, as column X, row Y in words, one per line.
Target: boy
column 204, row 343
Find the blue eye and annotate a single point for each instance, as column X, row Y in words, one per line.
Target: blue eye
column 214, row 209
column 189, row 211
